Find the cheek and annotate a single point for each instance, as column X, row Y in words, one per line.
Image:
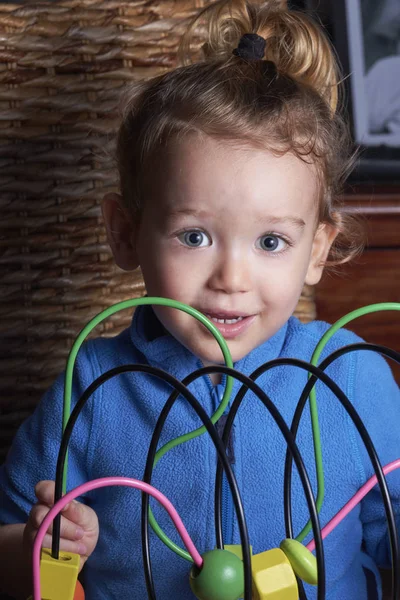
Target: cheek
column 156, row 279
column 282, row 284
column 164, row 275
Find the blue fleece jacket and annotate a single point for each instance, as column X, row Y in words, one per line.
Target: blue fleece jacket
column 113, row 432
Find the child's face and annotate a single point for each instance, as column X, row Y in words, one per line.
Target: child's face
column 232, row 232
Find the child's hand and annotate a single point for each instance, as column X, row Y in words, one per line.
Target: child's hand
column 79, row 524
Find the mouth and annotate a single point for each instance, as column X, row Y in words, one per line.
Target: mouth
column 231, row 324
column 228, row 321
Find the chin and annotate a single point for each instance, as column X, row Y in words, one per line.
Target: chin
column 217, row 358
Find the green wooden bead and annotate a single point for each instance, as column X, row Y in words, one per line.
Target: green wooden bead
column 303, row 562
column 220, row 578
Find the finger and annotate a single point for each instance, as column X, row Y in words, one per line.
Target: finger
column 80, row 514
column 66, row 545
column 36, row 516
column 68, row 529
column 44, row 491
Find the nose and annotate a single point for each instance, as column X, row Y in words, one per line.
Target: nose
column 230, row 273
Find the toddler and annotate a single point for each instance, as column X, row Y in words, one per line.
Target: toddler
column 230, row 170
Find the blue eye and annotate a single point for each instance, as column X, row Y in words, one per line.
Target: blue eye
column 272, row 243
column 194, row 238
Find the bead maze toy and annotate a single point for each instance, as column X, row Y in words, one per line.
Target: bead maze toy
column 224, row 572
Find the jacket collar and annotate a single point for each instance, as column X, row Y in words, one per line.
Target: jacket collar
column 161, row 349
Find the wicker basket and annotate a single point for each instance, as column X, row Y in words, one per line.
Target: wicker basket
column 63, row 66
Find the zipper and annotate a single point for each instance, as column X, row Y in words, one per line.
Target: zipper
column 227, row 508
column 227, row 512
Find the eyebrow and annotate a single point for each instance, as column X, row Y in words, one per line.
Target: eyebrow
column 267, row 220
column 189, row 212
column 295, row 221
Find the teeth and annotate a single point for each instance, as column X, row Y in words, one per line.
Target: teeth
column 227, row 321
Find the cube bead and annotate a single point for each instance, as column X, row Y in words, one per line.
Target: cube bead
column 273, row 576
column 58, row 577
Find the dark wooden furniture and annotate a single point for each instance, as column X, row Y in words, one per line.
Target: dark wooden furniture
column 375, row 275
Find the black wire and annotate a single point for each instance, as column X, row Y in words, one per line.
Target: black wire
column 180, row 387
column 289, row 440
column 353, row 414
column 218, row 478
column 388, row 352
column 250, row 384
column 227, row 468
column 306, row 392
column 318, row 372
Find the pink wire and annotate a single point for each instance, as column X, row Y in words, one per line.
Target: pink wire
column 93, row 485
column 363, row 491
column 135, row 483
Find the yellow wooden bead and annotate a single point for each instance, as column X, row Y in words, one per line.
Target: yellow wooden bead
column 303, row 562
column 273, row 576
column 58, row 577
column 237, row 549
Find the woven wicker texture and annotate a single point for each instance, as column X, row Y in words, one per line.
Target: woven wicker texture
column 63, row 67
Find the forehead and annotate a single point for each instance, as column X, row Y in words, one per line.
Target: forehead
column 203, row 173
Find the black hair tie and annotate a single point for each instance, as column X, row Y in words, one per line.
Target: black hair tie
column 251, row 47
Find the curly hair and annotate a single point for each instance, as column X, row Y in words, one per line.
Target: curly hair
column 288, row 101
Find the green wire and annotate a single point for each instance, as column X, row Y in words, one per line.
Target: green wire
column 385, row 306
column 359, row 312
column 179, row 440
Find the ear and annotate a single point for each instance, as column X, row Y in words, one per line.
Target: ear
column 120, row 229
column 323, row 240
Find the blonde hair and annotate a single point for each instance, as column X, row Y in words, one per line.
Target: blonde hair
column 286, row 102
